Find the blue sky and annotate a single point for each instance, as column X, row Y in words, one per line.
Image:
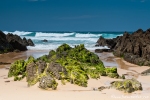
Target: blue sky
column 74, row 15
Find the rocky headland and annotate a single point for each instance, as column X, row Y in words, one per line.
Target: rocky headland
column 134, row 48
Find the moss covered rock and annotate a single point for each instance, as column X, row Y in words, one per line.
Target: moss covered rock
column 128, row 85
column 47, row 82
column 75, row 65
column 18, row 70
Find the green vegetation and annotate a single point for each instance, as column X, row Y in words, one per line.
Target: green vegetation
column 75, row 65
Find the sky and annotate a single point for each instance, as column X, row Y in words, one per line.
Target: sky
column 74, row 15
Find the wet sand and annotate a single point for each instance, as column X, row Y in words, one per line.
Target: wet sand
column 13, row 56
column 11, row 90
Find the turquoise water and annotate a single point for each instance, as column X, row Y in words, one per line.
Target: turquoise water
column 55, row 39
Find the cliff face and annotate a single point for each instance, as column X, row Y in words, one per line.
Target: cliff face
column 10, row 42
column 134, row 48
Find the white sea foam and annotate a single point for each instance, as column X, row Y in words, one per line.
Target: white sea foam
column 63, row 38
column 6, row 32
column 18, row 32
column 21, row 33
column 43, row 47
column 87, row 35
column 110, row 36
column 41, row 34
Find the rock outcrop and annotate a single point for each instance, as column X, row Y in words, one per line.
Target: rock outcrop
column 134, row 48
column 10, row 42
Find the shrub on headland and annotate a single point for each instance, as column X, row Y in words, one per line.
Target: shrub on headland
column 75, row 65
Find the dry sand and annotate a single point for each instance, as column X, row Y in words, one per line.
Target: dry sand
column 11, row 90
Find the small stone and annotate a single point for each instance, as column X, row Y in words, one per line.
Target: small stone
column 7, row 81
column 101, row 88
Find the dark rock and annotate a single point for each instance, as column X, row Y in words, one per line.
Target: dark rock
column 101, row 88
column 7, row 81
column 16, row 42
column 4, row 63
column 30, row 42
column 105, row 42
column 44, row 40
column 10, row 43
column 102, row 50
column 4, row 45
column 25, row 42
column 134, row 48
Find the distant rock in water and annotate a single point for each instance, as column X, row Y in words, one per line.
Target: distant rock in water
column 134, row 48
column 44, row 40
column 10, row 42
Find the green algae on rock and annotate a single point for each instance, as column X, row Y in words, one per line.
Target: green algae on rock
column 75, row 65
column 17, row 69
column 127, row 85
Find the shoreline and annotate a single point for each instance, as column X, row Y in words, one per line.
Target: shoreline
column 19, row 89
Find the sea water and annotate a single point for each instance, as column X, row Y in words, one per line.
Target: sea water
column 55, row 39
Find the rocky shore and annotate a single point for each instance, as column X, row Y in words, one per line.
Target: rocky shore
column 10, row 43
column 134, row 48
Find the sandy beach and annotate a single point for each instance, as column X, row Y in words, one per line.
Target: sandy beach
column 18, row 90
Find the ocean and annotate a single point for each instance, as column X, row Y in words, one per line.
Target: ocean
column 55, row 39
